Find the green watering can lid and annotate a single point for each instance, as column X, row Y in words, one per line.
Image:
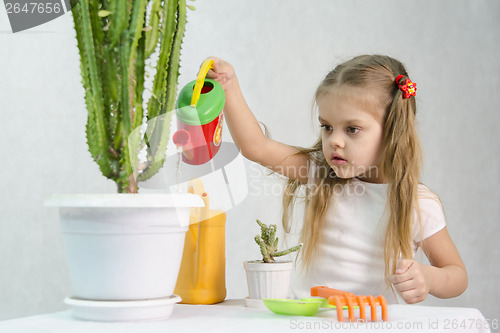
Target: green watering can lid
column 207, row 108
column 202, row 100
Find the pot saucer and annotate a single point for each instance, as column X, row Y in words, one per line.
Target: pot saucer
column 254, row 303
column 142, row 310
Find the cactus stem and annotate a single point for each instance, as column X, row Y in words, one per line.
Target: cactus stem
column 113, row 152
column 268, row 243
column 115, row 38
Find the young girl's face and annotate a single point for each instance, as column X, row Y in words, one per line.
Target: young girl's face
column 352, row 122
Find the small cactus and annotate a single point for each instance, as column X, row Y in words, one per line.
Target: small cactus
column 268, row 243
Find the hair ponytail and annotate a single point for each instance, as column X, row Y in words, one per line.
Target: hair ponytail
column 401, row 169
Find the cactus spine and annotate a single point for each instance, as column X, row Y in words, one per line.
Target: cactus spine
column 268, row 243
column 115, row 40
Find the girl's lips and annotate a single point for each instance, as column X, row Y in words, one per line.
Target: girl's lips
column 338, row 159
column 338, row 162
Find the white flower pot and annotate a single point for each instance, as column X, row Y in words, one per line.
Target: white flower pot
column 123, row 247
column 268, row 280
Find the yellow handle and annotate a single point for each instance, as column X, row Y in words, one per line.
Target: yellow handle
column 200, row 80
column 195, row 186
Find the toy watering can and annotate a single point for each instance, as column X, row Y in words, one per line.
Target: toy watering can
column 199, row 118
column 202, row 276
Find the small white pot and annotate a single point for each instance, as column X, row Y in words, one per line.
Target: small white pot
column 268, row 280
column 123, row 247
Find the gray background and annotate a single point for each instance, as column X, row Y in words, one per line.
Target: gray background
column 281, row 50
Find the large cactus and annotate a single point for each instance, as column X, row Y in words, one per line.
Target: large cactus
column 268, row 243
column 115, row 40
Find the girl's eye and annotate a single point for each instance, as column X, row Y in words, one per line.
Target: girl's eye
column 352, row 130
column 326, row 128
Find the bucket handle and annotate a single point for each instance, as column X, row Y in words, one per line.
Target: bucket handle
column 200, row 80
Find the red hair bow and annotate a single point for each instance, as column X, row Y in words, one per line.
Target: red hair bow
column 408, row 87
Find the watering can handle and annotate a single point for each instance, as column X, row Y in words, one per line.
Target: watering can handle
column 200, row 80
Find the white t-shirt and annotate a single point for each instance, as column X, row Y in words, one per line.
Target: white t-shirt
column 352, row 250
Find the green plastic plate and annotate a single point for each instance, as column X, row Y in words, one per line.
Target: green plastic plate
column 325, row 304
column 293, row 307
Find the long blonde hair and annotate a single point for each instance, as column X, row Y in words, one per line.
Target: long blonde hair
column 401, row 160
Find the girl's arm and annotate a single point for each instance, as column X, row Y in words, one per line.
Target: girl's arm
column 247, row 133
column 446, row 276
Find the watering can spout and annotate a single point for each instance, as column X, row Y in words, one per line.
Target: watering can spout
column 182, row 139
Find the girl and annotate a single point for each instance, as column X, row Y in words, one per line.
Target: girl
column 366, row 214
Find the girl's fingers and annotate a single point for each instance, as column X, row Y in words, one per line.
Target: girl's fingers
column 409, row 281
column 219, row 68
column 211, row 74
column 218, row 65
column 408, row 292
column 215, row 65
column 403, row 266
column 404, row 271
column 405, row 286
column 400, row 278
column 412, row 296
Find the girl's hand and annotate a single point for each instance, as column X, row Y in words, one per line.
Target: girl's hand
column 222, row 72
column 411, row 281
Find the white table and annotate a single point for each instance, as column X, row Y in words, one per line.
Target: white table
column 233, row 316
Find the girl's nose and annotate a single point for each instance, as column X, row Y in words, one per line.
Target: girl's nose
column 337, row 139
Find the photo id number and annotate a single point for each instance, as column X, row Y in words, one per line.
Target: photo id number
column 34, row 8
